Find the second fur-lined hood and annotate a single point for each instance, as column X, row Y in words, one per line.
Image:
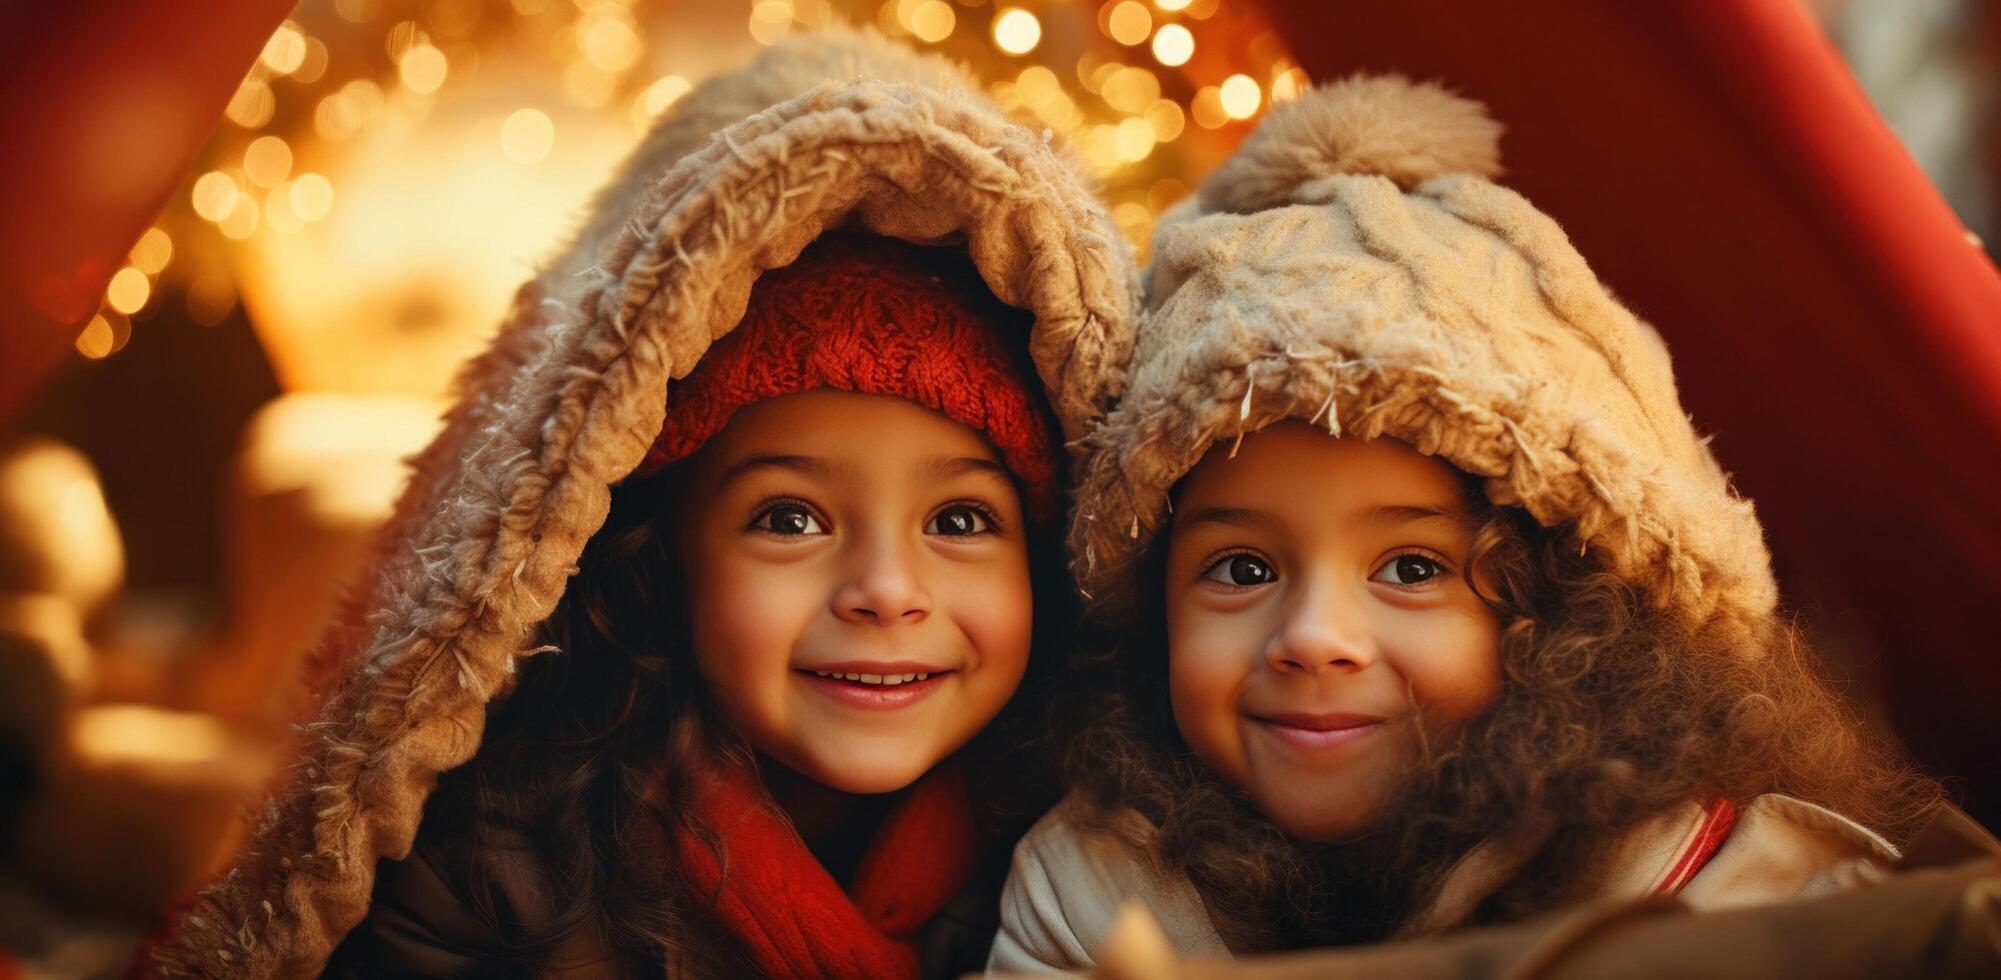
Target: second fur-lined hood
column 744, row 172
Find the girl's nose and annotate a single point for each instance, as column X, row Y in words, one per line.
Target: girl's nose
column 883, row 587
column 1321, row 633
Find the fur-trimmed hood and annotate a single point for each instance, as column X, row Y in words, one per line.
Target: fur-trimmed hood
column 741, row 175
column 1355, row 266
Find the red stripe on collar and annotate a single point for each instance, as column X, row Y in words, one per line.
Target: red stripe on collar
column 1710, row 834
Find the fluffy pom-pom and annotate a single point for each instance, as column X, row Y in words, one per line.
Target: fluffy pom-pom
column 1407, row 131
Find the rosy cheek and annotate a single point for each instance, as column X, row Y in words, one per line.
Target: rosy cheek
column 1207, row 665
column 1460, row 673
column 995, row 608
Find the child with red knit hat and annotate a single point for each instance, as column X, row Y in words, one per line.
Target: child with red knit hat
column 715, row 614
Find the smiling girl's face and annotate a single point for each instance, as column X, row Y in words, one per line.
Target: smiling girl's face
column 1320, row 625
column 858, row 584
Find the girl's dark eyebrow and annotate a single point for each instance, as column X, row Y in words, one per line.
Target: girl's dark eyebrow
column 1405, row 513
column 1234, row 516
column 949, row 467
column 809, row 465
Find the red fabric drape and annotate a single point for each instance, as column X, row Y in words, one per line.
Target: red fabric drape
column 1831, row 323
column 103, row 105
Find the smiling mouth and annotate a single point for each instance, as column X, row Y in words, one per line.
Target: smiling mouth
column 883, row 680
column 875, row 685
column 1316, row 732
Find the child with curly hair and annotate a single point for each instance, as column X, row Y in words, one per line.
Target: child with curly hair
column 1435, row 609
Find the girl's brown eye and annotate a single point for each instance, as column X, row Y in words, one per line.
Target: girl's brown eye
column 788, row 520
column 957, row 522
column 1408, row 570
column 1240, row 570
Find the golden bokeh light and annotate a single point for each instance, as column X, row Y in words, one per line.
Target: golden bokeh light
column 215, row 195
column 1134, row 140
column 210, row 298
column 932, row 21
column 1131, row 90
column 656, row 99
column 610, row 42
column 770, row 20
column 128, row 291
column 106, row 334
column 1207, row 108
column 1016, row 31
column 1171, row 5
column 241, row 222
column 153, row 251
column 312, row 196
column 279, row 213
column 1241, row 96
column 314, row 67
column 267, row 161
column 1167, row 120
column 95, row 340
column 527, row 136
column 286, row 50
column 1289, row 85
column 252, row 105
column 422, row 68
column 1127, row 22
column 1173, row 45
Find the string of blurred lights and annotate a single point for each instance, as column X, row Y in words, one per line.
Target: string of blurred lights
column 367, row 125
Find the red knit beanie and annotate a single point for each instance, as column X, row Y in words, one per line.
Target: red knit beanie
column 878, row 316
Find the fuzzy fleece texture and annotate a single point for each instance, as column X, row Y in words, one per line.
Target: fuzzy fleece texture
column 1354, row 266
column 821, row 131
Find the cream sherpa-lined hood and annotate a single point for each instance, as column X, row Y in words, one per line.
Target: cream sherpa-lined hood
column 1354, row 266
column 743, row 173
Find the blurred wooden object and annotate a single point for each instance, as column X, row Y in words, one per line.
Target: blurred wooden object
column 316, row 474
column 140, row 805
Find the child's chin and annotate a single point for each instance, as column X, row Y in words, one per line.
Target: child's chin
column 1314, row 820
column 867, row 778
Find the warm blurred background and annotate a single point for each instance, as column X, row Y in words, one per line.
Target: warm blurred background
column 353, row 188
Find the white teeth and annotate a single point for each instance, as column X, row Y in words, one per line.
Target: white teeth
column 880, row 680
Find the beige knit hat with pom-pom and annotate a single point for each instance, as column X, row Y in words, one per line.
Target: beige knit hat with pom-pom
column 1354, row 266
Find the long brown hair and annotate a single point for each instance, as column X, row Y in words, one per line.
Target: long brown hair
column 584, row 767
column 1610, row 711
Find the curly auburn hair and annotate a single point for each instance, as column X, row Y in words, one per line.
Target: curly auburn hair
column 584, row 768
column 1610, row 711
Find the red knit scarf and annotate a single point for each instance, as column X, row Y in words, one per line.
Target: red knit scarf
column 774, row 896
